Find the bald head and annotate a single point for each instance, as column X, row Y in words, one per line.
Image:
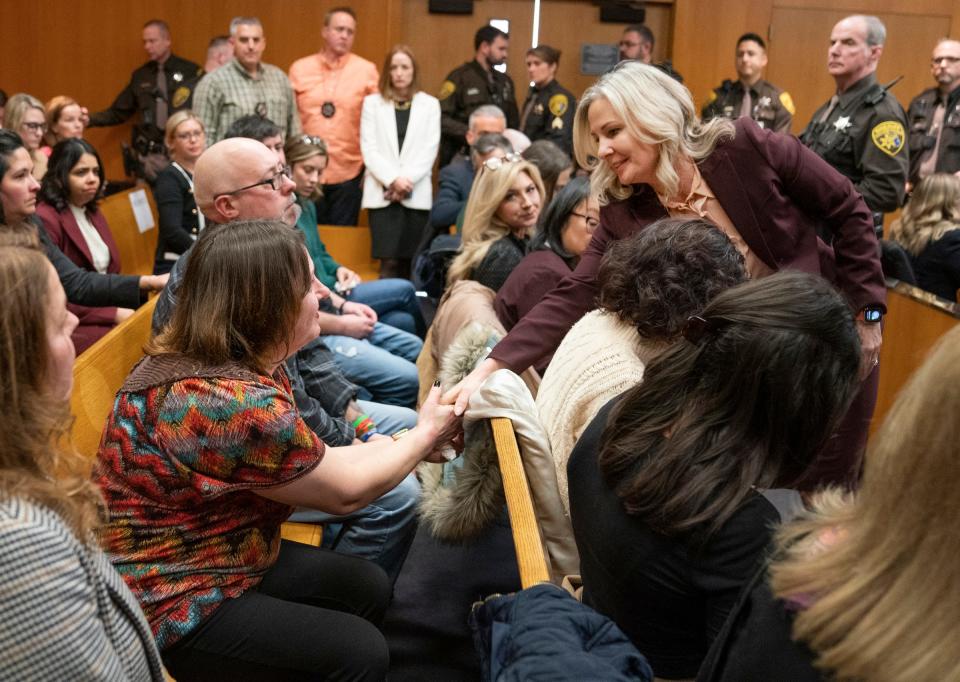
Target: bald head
column 226, row 185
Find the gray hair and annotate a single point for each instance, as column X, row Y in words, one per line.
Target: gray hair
column 486, row 111
column 487, row 142
column 876, row 31
column 655, row 109
column 236, row 22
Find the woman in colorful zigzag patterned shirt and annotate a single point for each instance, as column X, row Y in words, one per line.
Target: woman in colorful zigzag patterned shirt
column 205, row 455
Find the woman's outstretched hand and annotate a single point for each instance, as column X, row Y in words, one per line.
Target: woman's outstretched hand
column 459, row 395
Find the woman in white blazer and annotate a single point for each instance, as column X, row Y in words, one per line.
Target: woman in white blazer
column 399, row 138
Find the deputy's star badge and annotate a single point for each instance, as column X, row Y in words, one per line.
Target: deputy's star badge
column 842, row 123
column 763, row 102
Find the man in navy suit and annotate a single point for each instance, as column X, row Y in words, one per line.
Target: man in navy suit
column 486, row 123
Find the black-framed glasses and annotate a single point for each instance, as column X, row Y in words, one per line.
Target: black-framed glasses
column 496, row 162
column 42, row 127
column 275, row 181
column 591, row 221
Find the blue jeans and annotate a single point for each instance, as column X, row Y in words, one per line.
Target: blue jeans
column 389, row 418
column 395, row 301
column 381, row 532
column 381, row 365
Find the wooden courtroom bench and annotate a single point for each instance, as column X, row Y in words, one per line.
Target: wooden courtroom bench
column 531, row 555
column 915, row 321
column 350, row 246
column 100, row 372
column 137, row 249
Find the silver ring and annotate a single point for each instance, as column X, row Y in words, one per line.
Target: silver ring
column 876, row 361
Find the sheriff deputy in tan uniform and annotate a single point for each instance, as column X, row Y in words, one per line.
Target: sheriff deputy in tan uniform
column 473, row 84
column 548, row 112
column 750, row 95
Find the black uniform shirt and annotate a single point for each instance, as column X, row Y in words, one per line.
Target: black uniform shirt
column 548, row 115
column 864, row 137
column 920, row 118
column 772, row 107
column 141, row 95
column 466, row 88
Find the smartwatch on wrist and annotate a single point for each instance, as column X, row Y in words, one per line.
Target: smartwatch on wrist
column 871, row 314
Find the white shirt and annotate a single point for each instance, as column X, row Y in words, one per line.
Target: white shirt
column 99, row 251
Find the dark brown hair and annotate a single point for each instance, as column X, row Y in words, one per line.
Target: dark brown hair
column 240, row 297
column 656, row 278
column 747, row 404
column 550, row 55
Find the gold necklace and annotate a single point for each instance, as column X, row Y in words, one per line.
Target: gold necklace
column 401, row 106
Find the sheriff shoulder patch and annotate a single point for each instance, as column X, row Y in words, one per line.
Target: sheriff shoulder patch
column 558, row 105
column 787, row 101
column 888, row 137
column 447, row 89
column 180, row 95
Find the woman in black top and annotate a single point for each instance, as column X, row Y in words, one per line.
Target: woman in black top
column 867, row 586
column 500, row 217
column 664, row 482
column 930, row 232
column 180, row 220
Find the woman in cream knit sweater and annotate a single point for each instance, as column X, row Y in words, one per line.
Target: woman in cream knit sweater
column 650, row 284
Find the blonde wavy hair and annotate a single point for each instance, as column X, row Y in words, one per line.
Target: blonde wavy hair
column 655, row 109
column 481, row 226
column 36, row 460
column 887, row 585
column 932, row 211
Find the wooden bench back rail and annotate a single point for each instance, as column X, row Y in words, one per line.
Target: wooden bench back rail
column 914, row 323
column 531, row 556
column 350, row 246
column 137, row 249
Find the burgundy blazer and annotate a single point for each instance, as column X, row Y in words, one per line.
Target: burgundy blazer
column 778, row 194
column 65, row 233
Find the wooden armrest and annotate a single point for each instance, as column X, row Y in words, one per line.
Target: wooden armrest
column 531, row 558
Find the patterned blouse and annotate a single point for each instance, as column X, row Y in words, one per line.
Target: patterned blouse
column 181, row 455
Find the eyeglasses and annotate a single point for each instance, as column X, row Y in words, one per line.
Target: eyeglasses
column 496, row 162
column 191, row 135
column 42, row 127
column 949, row 60
column 275, row 181
column 627, row 43
column 591, row 221
column 313, row 139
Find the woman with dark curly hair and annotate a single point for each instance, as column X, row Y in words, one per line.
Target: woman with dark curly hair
column 650, row 283
column 664, row 482
column 68, row 208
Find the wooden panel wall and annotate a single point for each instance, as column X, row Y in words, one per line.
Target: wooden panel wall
column 104, row 41
column 87, row 48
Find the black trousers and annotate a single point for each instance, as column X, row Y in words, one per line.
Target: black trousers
column 340, row 203
column 313, row 617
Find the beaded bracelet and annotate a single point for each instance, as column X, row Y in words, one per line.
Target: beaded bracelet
column 364, row 427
